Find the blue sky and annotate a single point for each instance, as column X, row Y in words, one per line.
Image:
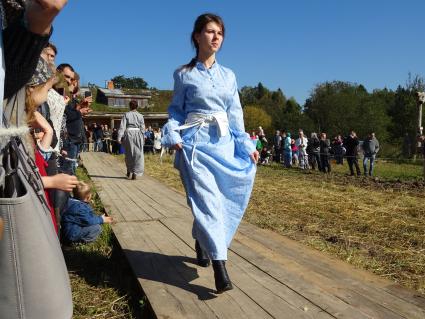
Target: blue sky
column 292, row 45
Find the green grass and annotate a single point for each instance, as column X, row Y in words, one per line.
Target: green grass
column 374, row 224
column 388, row 170
column 103, row 285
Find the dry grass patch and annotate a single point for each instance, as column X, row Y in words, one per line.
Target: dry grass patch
column 381, row 230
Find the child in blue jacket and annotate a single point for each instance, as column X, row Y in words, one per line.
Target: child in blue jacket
column 79, row 222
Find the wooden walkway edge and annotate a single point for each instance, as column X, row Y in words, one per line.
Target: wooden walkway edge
column 273, row 277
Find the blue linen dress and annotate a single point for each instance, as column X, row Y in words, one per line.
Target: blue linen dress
column 219, row 181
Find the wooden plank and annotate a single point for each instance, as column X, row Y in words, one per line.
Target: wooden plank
column 258, row 285
column 171, row 279
column 273, row 277
column 356, row 287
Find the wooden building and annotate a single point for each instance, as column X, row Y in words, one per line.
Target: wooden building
column 156, row 120
column 116, row 98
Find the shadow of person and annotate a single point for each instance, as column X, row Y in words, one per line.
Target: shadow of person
column 171, row 270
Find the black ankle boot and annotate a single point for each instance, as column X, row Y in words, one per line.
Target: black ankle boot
column 201, row 256
column 222, row 280
column 128, row 174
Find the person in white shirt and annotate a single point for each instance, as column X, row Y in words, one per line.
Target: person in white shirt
column 301, row 143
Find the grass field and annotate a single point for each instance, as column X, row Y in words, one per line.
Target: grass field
column 376, row 224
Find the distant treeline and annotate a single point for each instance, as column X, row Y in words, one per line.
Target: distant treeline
column 337, row 107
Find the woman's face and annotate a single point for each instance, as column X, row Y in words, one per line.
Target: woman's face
column 210, row 38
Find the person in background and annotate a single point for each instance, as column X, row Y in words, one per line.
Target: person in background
column 302, row 143
column 215, row 156
column 294, row 150
column 149, row 138
column 49, row 53
column 325, row 146
column 370, row 149
column 338, row 150
column 287, row 152
column 114, row 141
column 314, row 144
column 106, row 139
column 97, row 138
column 130, row 135
column 277, row 146
column 351, row 143
column 157, row 141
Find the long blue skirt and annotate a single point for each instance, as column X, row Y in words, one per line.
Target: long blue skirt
column 218, row 186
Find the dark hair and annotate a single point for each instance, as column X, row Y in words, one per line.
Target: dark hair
column 199, row 25
column 51, row 46
column 133, row 105
column 62, row 67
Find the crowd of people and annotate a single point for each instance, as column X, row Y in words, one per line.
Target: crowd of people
column 316, row 151
column 53, row 110
column 101, row 138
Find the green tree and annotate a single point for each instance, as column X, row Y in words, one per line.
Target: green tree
column 254, row 116
column 337, row 107
column 122, row 82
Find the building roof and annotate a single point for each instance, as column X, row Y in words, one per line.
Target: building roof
column 120, row 93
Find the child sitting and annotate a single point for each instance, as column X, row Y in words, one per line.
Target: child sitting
column 79, row 222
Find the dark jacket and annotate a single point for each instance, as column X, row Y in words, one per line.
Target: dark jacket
column 22, row 50
column 97, row 133
column 74, row 123
column 315, row 145
column 77, row 215
column 351, row 145
column 325, row 146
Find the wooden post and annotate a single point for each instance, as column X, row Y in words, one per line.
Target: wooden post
column 420, row 99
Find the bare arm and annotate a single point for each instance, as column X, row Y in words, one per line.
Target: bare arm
column 42, row 123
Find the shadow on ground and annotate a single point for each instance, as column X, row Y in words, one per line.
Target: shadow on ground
column 171, row 270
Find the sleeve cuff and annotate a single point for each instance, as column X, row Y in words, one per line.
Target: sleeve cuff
column 169, row 136
column 244, row 145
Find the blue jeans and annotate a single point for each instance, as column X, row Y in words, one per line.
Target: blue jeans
column 98, row 145
column 287, row 158
column 70, row 165
column 90, row 233
column 371, row 159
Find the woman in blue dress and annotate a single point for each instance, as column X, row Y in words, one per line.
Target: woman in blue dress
column 215, row 156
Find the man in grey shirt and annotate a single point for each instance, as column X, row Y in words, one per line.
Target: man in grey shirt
column 370, row 149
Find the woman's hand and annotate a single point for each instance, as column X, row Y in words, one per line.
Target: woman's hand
column 178, row 146
column 60, row 181
column 255, row 156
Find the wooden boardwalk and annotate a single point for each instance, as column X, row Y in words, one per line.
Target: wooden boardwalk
column 273, row 277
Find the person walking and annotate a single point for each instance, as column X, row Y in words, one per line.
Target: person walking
column 130, row 135
column 370, row 149
column 215, row 156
